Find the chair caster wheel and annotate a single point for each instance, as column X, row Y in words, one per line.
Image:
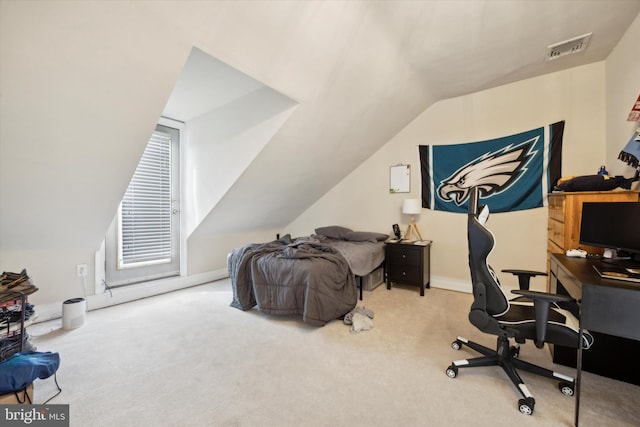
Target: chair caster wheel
column 452, row 371
column 526, row 405
column 566, row 388
column 456, row 345
column 515, row 351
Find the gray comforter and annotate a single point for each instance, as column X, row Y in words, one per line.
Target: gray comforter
column 305, row 277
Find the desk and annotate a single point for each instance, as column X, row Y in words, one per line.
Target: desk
column 608, row 306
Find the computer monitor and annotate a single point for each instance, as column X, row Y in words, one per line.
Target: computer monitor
column 614, row 225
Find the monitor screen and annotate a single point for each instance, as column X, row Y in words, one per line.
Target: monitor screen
column 614, row 225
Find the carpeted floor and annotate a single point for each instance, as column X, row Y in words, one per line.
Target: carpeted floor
column 188, row 359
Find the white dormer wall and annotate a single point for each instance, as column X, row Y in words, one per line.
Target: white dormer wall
column 222, row 143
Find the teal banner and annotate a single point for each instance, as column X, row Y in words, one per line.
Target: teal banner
column 515, row 172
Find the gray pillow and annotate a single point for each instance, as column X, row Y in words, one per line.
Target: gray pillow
column 285, row 240
column 334, row 231
column 365, row 236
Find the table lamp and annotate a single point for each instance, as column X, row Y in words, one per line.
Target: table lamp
column 412, row 207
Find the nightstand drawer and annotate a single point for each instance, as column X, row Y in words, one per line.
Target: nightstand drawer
column 405, row 274
column 406, row 256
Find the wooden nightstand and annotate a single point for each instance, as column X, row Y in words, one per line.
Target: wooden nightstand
column 408, row 263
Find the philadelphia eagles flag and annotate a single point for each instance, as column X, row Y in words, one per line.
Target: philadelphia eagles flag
column 514, row 172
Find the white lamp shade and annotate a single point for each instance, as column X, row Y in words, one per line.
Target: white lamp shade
column 411, row 206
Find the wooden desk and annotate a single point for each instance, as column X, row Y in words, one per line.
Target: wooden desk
column 608, row 306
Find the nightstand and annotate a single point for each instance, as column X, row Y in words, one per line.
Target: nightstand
column 408, row 263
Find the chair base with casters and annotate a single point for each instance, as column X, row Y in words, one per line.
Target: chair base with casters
column 505, row 356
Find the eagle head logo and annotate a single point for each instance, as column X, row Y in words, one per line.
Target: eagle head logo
column 491, row 172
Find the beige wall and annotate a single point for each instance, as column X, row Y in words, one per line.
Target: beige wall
column 362, row 200
column 623, row 88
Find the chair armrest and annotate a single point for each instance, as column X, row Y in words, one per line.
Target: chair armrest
column 524, row 276
column 529, row 272
column 541, row 305
column 543, row 296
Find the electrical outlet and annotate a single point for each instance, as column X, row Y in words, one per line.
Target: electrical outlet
column 81, row 270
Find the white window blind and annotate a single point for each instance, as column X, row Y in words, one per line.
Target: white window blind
column 145, row 212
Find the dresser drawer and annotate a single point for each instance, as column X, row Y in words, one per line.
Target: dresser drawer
column 552, row 248
column 556, row 232
column 557, row 214
column 556, row 207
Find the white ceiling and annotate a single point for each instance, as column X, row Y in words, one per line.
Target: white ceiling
column 455, row 47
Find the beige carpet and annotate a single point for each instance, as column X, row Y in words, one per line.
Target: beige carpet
column 188, row 359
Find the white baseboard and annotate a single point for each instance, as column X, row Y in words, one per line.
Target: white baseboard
column 133, row 292
column 143, row 290
column 451, row 284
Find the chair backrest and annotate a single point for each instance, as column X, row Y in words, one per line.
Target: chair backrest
column 489, row 297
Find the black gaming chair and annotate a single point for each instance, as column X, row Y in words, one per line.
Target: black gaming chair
column 538, row 319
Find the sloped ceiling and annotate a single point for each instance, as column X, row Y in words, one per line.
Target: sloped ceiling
column 377, row 66
column 83, row 83
column 204, row 85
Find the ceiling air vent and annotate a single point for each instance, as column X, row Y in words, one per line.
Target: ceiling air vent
column 568, row 47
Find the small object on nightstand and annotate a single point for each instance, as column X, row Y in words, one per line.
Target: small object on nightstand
column 396, row 231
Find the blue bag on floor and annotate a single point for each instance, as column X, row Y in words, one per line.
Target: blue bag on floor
column 18, row 371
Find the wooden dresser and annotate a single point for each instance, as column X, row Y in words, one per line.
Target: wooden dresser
column 565, row 210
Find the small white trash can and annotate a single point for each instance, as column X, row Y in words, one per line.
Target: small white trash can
column 73, row 313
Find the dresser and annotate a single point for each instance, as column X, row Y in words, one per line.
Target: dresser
column 408, row 263
column 565, row 210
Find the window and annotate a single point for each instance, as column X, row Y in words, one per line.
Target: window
column 143, row 240
column 144, row 234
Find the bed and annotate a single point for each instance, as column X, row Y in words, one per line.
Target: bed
column 315, row 276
